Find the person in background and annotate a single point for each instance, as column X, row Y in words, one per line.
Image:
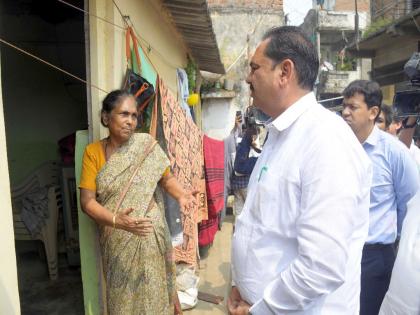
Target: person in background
column 389, row 121
column 246, row 156
column 395, row 182
column 120, row 189
column 385, row 117
column 230, row 144
column 298, row 242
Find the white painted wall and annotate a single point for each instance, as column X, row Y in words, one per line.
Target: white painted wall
column 218, row 117
column 9, row 294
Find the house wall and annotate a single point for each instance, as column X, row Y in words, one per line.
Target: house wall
column 9, row 294
column 107, row 47
column 233, row 21
column 217, row 117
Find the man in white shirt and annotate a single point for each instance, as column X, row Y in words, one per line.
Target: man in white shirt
column 298, row 242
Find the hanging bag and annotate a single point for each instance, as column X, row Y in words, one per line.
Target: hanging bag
column 134, row 83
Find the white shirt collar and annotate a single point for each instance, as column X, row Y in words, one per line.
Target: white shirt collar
column 290, row 115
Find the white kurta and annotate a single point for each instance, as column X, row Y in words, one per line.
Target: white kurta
column 298, row 242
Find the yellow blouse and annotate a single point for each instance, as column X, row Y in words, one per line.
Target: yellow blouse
column 92, row 163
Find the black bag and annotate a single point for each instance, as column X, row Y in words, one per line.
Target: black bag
column 134, row 83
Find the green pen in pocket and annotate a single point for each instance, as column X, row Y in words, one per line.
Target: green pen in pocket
column 262, row 171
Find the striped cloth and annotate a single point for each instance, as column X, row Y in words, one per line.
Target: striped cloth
column 214, row 171
column 214, row 155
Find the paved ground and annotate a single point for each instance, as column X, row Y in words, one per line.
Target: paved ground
column 215, row 272
column 40, row 296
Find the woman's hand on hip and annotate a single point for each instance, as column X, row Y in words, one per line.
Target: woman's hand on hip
column 137, row 226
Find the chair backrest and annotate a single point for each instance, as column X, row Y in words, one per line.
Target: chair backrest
column 45, row 175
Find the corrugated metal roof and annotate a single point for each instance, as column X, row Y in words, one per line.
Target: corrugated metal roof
column 193, row 21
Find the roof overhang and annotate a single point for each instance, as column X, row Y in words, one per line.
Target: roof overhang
column 193, row 21
column 408, row 25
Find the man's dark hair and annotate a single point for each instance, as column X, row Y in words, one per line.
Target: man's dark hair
column 369, row 89
column 289, row 42
column 388, row 114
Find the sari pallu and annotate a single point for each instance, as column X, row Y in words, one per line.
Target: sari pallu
column 139, row 271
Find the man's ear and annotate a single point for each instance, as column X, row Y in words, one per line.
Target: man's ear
column 286, row 70
column 373, row 112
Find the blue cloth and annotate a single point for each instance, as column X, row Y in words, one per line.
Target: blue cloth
column 183, row 90
column 243, row 164
column 377, row 264
column 395, row 181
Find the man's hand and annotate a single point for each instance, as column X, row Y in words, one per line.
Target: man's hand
column 235, row 304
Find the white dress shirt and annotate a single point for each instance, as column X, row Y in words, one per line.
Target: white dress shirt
column 415, row 153
column 298, row 242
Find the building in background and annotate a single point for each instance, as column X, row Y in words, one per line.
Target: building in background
column 239, row 26
column 332, row 27
column 390, row 40
column 39, row 105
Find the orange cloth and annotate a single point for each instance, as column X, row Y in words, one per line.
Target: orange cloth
column 93, row 161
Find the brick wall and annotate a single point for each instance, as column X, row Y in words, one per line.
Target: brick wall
column 348, row 5
column 389, row 9
column 275, row 4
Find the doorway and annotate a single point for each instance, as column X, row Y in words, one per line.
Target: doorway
column 43, row 108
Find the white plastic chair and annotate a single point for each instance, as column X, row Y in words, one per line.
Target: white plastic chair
column 46, row 175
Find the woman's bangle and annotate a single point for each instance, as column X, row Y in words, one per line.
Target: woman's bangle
column 113, row 220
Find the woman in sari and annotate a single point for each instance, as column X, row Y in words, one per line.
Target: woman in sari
column 120, row 188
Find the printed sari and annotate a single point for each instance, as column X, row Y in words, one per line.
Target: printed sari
column 139, row 271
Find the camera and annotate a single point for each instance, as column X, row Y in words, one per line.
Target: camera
column 407, row 103
column 254, row 118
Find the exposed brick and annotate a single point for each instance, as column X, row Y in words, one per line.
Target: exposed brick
column 274, row 4
column 348, row 5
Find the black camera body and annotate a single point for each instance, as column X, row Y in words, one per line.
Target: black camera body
column 254, row 118
column 407, row 103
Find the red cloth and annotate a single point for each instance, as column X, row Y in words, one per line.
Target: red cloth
column 214, row 163
column 207, row 229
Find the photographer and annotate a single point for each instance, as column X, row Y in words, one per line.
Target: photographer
column 246, row 156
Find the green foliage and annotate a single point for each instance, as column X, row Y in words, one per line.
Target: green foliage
column 206, row 86
column 376, row 25
column 349, row 64
column 191, row 71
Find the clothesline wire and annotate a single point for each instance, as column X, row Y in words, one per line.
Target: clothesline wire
column 125, row 19
column 7, row 43
column 91, row 14
column 150, row 49
column 51, row 65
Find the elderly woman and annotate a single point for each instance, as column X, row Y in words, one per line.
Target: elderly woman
column 120, row 188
